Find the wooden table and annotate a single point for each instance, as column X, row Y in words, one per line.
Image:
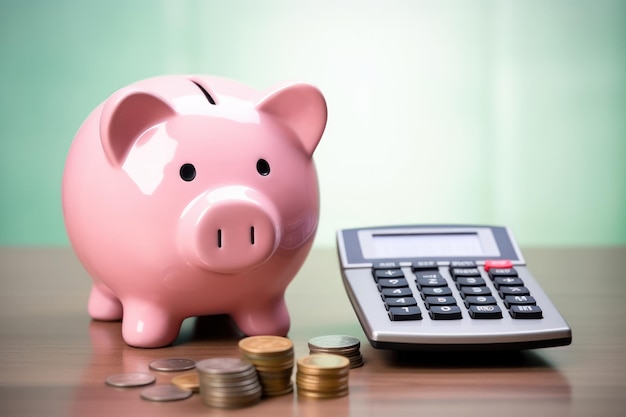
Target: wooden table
column 54, row 359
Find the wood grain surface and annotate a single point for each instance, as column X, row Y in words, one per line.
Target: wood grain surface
column 54, row 358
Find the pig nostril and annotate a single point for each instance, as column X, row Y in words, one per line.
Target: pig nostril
column 252, row 235
column 219, row 238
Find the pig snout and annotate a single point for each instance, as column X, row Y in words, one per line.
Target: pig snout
column 229, row 230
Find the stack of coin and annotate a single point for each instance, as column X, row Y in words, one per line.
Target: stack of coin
column 273, row 358
column 347, row 346
column 228, row 383
column 323, row 375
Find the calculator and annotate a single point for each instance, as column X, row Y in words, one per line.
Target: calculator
column 446, row 287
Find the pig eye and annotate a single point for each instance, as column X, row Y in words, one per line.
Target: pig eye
column 263, row 167
column 188, row 172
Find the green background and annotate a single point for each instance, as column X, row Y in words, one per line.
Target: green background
column 501, row 112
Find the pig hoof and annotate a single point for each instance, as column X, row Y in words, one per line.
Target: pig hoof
column 104, row 307
column 152, row 330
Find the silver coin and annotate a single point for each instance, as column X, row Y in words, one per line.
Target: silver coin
column 165, row 393
column 335, row 342
column 130, row 379
column 223, row 366
column 172, row 364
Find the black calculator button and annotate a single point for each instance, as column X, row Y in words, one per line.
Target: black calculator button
column 502, row 272
column 469, row 291
column 464, row 272
column 526, row 312
column 435, row 291
column 480, row 300
column 397, row 292
column 431, row 282
column 424, row 265
column 428, row 275
column 512, row 300
column 405, row 313
column 506, row 291
column 387, row 265
column 400, row 302
column 485, row 312
column 439, row 301
column 462, row 264
column 387, row 273
column 470, row 282
column 445, row 313
column 508, row 282
column 392, row 283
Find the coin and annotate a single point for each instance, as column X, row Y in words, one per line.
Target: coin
column 187, row 381
column 347, row 346
column 273, row 358
column 132, row 379
column 318, row 394
column 335, row 342
column 265, row 345
column 228, row 382
column 323, row 375
column 223, row 366
column 165, row 393
column 320, row 363
column 172, row 364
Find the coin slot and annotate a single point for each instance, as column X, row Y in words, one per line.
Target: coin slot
column 219, row 238
column 205, row 92
column 252, row 235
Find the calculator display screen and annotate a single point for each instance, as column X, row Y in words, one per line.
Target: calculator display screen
column 427, row 245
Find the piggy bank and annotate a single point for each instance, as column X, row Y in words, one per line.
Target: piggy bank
column 187, row 196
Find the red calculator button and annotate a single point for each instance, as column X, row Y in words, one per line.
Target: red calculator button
column 502, row 263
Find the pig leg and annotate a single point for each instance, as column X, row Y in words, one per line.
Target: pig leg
column 270, row 319
column 148, row 326
column 103, row 305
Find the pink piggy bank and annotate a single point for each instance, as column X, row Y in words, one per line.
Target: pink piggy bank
column 192, row 195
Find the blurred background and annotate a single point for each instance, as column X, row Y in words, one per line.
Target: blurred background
column 499, row 112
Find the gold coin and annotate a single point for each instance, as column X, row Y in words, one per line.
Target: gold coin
column 323, row 362
column 316, row 394
column 316, row 380
column 187, row 381
column 266, row 345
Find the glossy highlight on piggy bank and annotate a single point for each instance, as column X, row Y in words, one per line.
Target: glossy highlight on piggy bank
column 194, row 195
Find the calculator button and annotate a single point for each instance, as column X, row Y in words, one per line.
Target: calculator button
column 479, row 300
column 445, row 313
column 431, row 282
column 387, row 265
column 502, row 272
column 397, row 292
column 405, row 313
column 507, row 282
column 502, row 263
column 388, row 273
column 464, row 272
column 435, row 291
column 470, row 282
column 512, row 300
column 428, row 274
column 392, row 283
column 526, row 312
column 462, row 264
column 400, row 302
column 440, row 301
column 485, row 312
column 424, row 265
column 468, row 291
column 506, row 291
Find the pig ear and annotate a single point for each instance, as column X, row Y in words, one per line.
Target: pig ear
column 125, row 116
column 301, row 107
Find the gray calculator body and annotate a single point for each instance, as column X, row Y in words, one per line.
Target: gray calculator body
column 446, row 287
